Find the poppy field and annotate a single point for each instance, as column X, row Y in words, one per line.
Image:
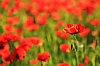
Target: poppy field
column 49, row 33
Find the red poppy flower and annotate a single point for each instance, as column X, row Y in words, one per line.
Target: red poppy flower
column 85, row 32
column 2, row 64
column 74, row 28
column 43, row 56
column 65, row 47
column 63, row 64
column 0, row 16
column 4, row 4
column 95, row 33
column 86, row 60
column 55, row 15
column 19, row 31
column 7, row 58
column 32, row 61
column 36, row 40
column 8, row 28
column 18, row 54
column 41, row 20
column 26, row 43
column 11, row 11
column 93, row 44
column 29, row 25
column 95, row 22
column 11, row 37
column 61, row 34
column 13, row 20
column 4, row 48
column 80, row 64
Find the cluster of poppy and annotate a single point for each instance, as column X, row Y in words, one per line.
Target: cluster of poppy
column 19, row 51
column 37, row 14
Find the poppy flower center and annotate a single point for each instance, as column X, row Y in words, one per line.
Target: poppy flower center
column 1, row 46
column 17, row 56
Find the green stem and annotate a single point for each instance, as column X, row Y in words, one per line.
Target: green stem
column 76, row 53
column 41, row 63
column 74, row 47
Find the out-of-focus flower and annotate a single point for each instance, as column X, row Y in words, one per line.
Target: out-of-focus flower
column 9, row 28
column 80, row 64
column 13, row 20
column 61, row 34
column 11, row 37
column 59, row 24
column 36, row 40
column 55, row 15
column 19, row 31
column 0, row 16
column 95, row 33
column 2, row 64
column 65, row 47
column 86, row 60
column 74, row 28
column 7, row 58
column 43, row 56
column 29, row 24
column 93, row 44
column 85, row 32
column 41, row 20
column 32, row 61
column 95, row 22
column 4, row 4
column 63, row 64
column 3, row 48
column 18, row 53
column 11, row 11
column 77, row 11
column 26, row 43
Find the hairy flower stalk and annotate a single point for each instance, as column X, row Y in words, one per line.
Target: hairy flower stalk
column 74, row 43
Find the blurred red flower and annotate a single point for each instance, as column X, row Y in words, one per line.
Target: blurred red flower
column 63, row 64
column 26, row 43
column 4, row 47
column 32, row 61
column 61, row 34
column 43, row 56
column 37, row 41
column 86, row 60
column 93, row 44
column 80, row 64
column 13, row 20
column 95, row 33
column 29, row 24
column 74, row 28
column 95, row 22
column 65, row 47
column 9, row 28
column 19, row 31
column 18, row 53
column 41, row 20
column 55, row 15
column 11, row 10
column 2, row 64
column 11, row 37
column 0, row 16
column 85, row 32
column 7, row 58
column 4, row 4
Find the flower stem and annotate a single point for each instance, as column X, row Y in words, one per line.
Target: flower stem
column 74, row 42
column 76, row 53
column 41, row 63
